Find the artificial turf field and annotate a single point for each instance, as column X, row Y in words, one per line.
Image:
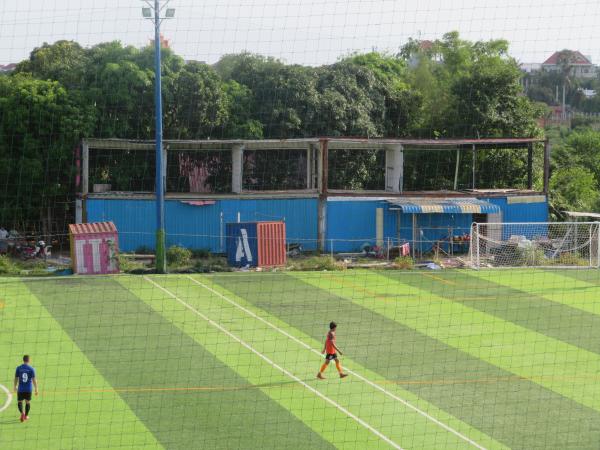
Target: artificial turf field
column 437, row 360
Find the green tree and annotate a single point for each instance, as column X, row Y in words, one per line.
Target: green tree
column 573, row 189
column 40, row 126
column 197, row 103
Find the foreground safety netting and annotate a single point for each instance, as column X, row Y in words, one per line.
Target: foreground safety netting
column 435, row 359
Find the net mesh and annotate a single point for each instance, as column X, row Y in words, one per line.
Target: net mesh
column 574, row 244
column 224, row 351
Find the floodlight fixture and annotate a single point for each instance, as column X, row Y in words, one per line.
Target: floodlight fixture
column 170, row 13
column 147, row 12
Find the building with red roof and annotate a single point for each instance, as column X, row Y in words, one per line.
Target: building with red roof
column 581, row 66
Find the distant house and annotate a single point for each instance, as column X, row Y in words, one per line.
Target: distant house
column 5, row 68
column 581, row 65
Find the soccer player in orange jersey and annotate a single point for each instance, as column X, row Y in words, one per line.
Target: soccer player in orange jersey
column 331, row 350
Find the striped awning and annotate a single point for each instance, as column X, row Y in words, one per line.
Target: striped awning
column 443, row 206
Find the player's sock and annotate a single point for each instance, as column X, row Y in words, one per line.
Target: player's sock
column 323, row 367
column 20, row 406
column 27, row 408
column 338, row 366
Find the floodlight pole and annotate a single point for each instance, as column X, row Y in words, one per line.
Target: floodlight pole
column 160, row 261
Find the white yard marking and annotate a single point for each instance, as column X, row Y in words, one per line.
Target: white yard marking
column 8, row 397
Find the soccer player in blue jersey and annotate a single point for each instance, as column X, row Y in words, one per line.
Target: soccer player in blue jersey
column 24, row 378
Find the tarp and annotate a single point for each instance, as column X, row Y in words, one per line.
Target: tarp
column 443, row 206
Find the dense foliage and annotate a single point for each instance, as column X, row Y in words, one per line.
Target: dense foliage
column 450, row 88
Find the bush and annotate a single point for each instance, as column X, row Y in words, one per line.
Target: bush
column 200, row 253
column 127, row 264
column 178, row 256
column 317, row 263
column 534, row 256
column 404, row 262
column 8, row 267
column 570, row 259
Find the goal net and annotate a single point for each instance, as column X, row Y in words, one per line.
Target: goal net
column 547, row 244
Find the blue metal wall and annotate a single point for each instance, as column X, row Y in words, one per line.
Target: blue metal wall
column 521, row 212
column 350, row 222
column 203, row 226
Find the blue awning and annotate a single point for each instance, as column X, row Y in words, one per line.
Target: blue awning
column 443, row 206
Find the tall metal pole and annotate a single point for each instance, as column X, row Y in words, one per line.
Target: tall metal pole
column 161, row 262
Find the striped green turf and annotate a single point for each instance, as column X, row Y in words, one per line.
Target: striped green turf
column 502, row 358
column 77, row 408
column 386, row 414
column 504, row 344
column 568, row 288
column 136, row 348
column 505, row 367
column 556, row 311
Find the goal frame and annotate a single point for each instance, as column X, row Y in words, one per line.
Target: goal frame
column 477, row 258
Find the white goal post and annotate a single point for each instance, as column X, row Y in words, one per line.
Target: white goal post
column 546, row 244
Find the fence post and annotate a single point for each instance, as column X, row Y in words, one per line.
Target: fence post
column 388, row 248
column 591, row 242
column 598, row 244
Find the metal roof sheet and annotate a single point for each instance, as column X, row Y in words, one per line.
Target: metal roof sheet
column 444, row 206
column 92, row 228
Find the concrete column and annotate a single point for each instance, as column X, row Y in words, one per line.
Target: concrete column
column 78, row 211
column 394, row 168
column 309, row 166
column 237, row 168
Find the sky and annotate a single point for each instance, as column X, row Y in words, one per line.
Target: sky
column 311, row 32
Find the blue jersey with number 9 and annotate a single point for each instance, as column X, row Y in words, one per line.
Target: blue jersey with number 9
column 25, row 373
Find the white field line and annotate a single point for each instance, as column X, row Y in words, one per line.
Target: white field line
column 357, row 375
column 278, row 367
column 8, row 397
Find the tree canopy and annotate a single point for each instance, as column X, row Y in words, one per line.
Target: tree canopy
column 63, row 92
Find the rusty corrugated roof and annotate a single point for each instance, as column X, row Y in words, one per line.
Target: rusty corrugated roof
column 92, row 228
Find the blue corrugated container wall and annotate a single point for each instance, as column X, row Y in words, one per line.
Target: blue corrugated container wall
column 535, row 211
column 532, row 209
column 203, row 227
column 350, row 222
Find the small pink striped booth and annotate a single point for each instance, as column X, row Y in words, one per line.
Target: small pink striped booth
column 94, row 248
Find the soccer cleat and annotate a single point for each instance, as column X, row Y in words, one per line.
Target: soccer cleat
column 343, row 375
column 22, row 417
column 26, row 418
column 320, row 376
